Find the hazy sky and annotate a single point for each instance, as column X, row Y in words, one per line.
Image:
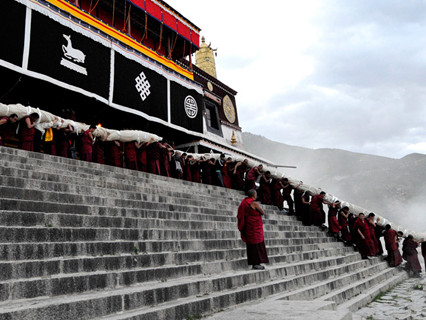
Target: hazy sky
column 321, row 73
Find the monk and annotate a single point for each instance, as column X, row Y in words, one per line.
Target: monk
column 130, row 155
column 6, row 124
column 334, row 227
column 27, row 131
column 114, row 153
column 251, row 177
column 410, row 254
column 372, row 233
column 424, row 251
column 250, row 226
column 265, row 190
column 363, row 238
column 305, row 213
column 219, row 163
column 238, row 175
column 277, row 196
column 87, row 144
column 142, row 155
column 206, row 170
column 63, row 142
column 390, row 236
column 225, row 173
column 316, row 210
column 187, row 174
column 165, row 158
column 287, row 190
column 343, row 222
column 195, row 170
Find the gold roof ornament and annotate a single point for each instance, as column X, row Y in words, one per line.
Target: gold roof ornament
column 204, row 58
column 233, row 139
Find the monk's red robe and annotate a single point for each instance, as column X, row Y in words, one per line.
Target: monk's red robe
column 333, row 224
column 365, row 246
column 195, row 172
column 343, row 222
column 142, row 159
column 316, row 211
column 206, row 172
column 265, row 191
column 98, row 152
column 130, row 156
column 187, row 175
column 26, row 136
column 373, row 237
column 63, row 143
column 251, row 179
column 394, row 256
column 5, row 130
column 250, row 226
column 225, row 176
column 86, row 147
column 410, row 254
column 238, row 177
column 114, row 155
column 277, row 195
column 164, row 162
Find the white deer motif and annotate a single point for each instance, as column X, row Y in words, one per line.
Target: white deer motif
column 71, row 53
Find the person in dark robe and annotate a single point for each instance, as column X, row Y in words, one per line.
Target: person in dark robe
column 27, row 131
column 114, row 153
column 6, row 126
column 265, row 191
column 165, row 158
column 378, row 232
column 305, row 212
column 195, row 170
column 154, row 152
column 238, row 175
column 206, row 170
column 252, row 176
column 277, row 196
column 334, row 228
column 390, row 237
column 344, row 224
column 130, row 155
column 363, row 239
column 423, row 246
column 187, row 174
column 250, row 226
column 87, row 144
column 372, row 232
column 287, row 190
column 219, row 163
column 98, row 152
column 410, row 254
column 50, row 138
column 142, row 155
column 316, row 210
column 63, row 141
column 225, row 174
column 297, row 195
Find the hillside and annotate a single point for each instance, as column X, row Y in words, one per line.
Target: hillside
column 395, row 188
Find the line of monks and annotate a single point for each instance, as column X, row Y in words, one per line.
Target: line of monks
column 362, row 232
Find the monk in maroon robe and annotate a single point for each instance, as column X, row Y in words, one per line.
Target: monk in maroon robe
column 238, row 175
column 165, row 158
column 424, row 251
column 363, row 238
column 306, row 214
column 251, row 177
column 98, row 152
column 142, row 155
column 130, row 155
column 334, row 227
column 6, row 124
column 63, row 142
column 277, row 196
column 225, row 174
column 154, row 152
column 114, row 153
column 195, row 171
column 343, row 222
column 316, row 210
column 27, row 131
column 372, row 232
column 87, row 144
column 287, row 190
column 265, row 190
column 187, row 174
column 206, row 169
column 250, row 226
column 394, row 256
column 410, row 254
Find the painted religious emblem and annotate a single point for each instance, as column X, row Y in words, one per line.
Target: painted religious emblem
column 210, row 86
column 228, row 109
column 142, row 86
column 191, row 107
column 73, row 58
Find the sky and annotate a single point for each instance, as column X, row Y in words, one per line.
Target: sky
column 323, row 74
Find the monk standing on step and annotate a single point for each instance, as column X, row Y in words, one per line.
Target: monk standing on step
column 251, row 227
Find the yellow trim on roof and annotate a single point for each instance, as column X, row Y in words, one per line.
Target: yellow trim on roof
column 81, row 15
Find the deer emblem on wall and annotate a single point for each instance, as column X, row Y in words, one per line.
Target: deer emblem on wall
column 71, row 53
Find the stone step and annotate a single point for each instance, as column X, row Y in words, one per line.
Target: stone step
column 27, row 269
column 61, row 220
column 60, row 284
column 229, row 288
column 48, row 250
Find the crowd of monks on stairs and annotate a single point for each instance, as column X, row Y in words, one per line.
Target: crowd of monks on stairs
column 160, row 158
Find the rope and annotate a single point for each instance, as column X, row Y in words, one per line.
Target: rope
column 161, row 37
column 146, row 28
column 91, row 9
column 173, row 46
column 124, row 18
column 113, row 12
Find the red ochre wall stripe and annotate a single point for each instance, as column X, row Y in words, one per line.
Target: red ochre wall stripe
column 76, row 12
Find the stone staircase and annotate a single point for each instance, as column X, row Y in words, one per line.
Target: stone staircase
column 83, row 241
